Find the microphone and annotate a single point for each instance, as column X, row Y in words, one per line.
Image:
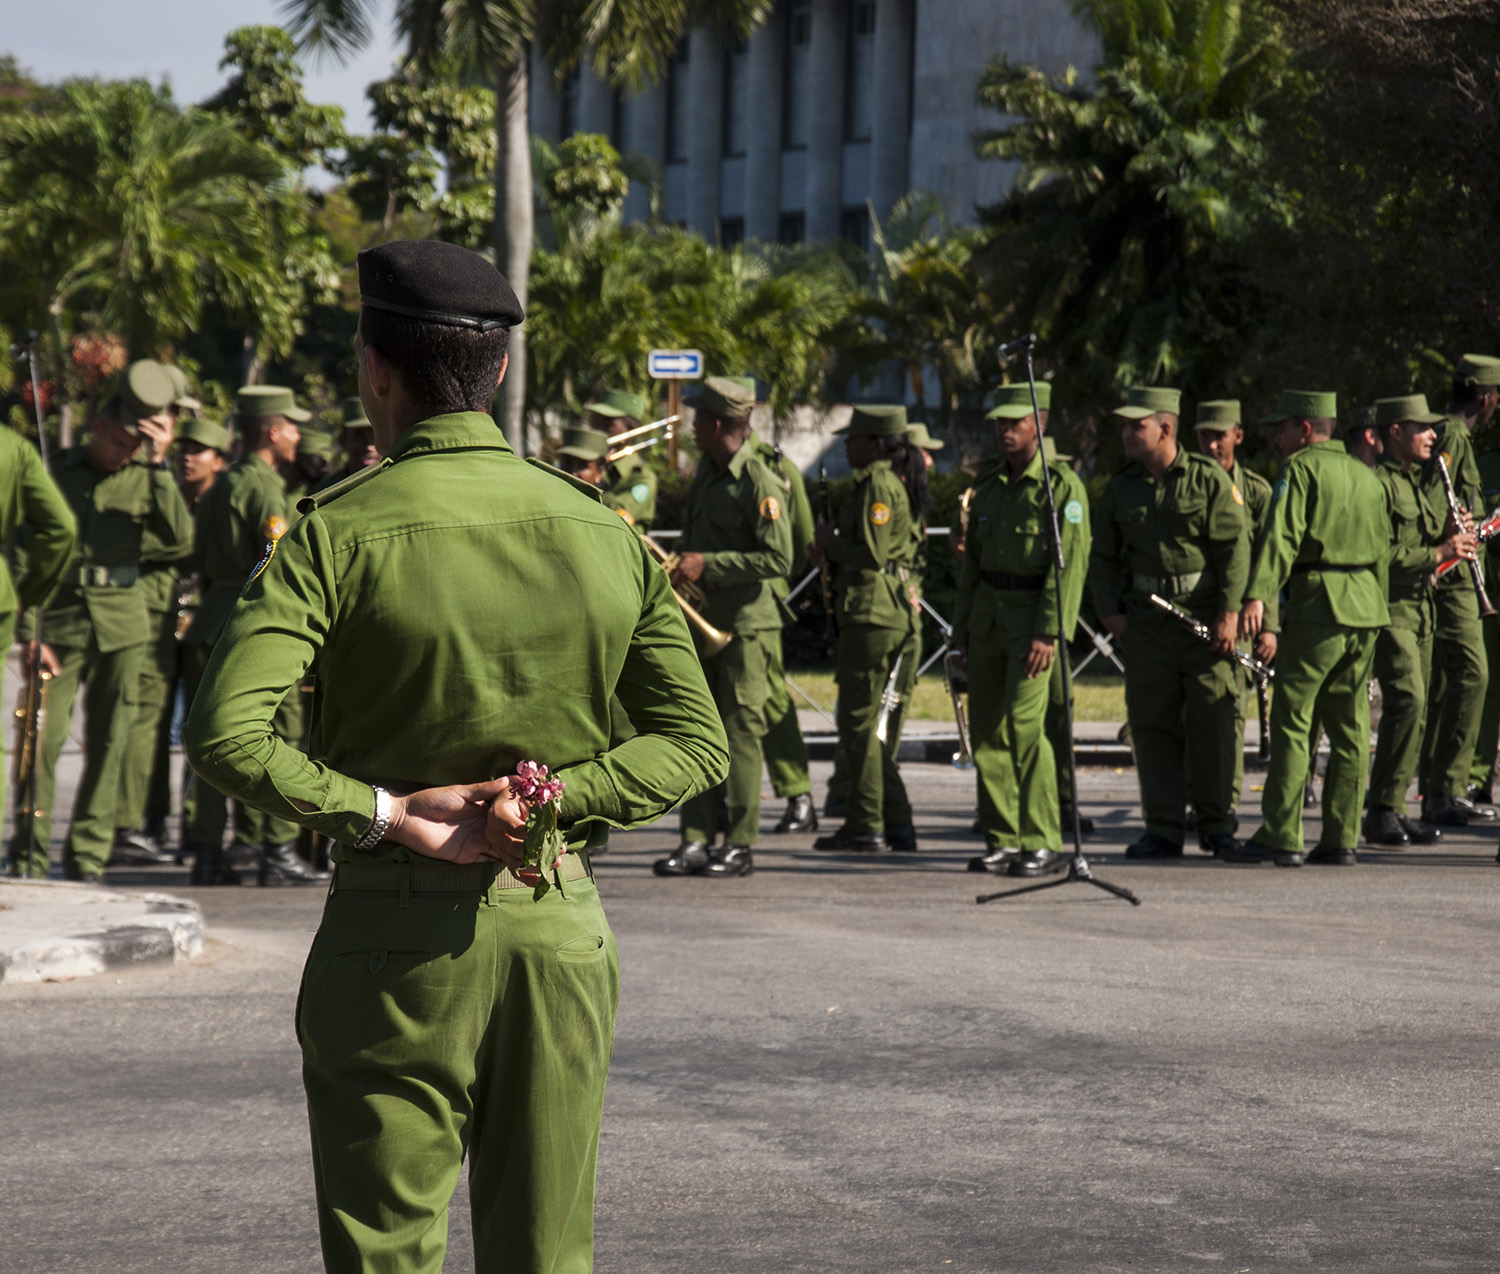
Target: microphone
column 1011, row 347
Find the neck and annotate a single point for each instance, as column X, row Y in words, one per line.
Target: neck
column 1019, row 460
column 268, row 454
column 1160, row 460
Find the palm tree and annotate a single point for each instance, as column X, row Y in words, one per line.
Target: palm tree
column 629, row 41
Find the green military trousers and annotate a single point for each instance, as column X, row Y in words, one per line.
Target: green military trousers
column 1182, row 700
column 1322, row 674
column 785, row 751
column 436, row 1026
column 1057, row 727
column 1482, row 770
column 109, row 682
column 867, row 653
column 1007, row 726
column 7, row 636
column 148, row 758
column 1403, row 666
column 738, row 676
column 1455, row 695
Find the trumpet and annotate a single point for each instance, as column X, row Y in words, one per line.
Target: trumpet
column 690, row 597
column 619, row 453
column 31, row 723
column 958, row 685
column 890, row 700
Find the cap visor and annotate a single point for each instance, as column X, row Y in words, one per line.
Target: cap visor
column 932, row 444
column 1216, row 426
column 295, row 413
column 1009, row 411
column 602, row 409
column 1135, row 413
column 1275, row 418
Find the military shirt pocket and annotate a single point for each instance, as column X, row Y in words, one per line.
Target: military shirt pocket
column 1185, row 515
column 1132, row 515
column 725, row 513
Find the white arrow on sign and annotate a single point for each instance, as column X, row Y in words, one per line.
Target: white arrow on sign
column 674, row 364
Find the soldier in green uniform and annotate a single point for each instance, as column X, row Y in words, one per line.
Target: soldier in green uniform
column 1327, row 543
column 873, row 549
column 311, row 468
column 1459, row 670
column 96, row 626
column 736, row 540
column 629, row 482
column 1172, row 523
column 581, row 454
column 1421, row 537
column 31, row 503
column 240, row 518
column 464, row 611
column 1476, row 391
column 1006, row 623
column 356, row 440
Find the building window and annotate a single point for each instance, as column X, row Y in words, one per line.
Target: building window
column 859, row 71
column 731, row 231
column 736, row 109
column 679, row 106
column 792, row 228
column 796, row 86
column 854, row 227
column 567, row 100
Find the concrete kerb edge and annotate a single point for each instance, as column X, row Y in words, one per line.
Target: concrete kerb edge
column 171, row 929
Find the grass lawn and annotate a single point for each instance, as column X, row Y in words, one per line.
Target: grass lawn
column 1094, row 698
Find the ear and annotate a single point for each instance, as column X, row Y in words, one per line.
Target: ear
column 378, row 372
column 504, row 367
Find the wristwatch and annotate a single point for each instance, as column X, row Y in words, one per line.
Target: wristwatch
column 375, row 833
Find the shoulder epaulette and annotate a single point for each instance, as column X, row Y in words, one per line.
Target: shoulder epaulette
column 317, row 499
column 552, row 471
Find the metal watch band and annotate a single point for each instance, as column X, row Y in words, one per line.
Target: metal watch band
column 376, row 831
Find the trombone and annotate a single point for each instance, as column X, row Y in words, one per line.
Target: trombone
column 958, row 685
column 619, row 453
column 690, row 597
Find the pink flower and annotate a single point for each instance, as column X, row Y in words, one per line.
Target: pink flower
column 530, row 782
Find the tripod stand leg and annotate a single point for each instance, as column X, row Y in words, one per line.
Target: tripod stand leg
column 1114, row 889
column 1025, row 889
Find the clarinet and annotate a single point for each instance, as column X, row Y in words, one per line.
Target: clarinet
column 1486, row 611
column 1261, row 672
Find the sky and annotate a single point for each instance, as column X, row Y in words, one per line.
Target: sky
column 180, row 41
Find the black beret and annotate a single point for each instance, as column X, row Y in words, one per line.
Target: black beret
column 437, row 283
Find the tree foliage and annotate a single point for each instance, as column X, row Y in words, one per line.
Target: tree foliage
column 264, row 97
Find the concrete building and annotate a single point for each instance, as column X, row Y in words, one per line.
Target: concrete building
column 830, row 104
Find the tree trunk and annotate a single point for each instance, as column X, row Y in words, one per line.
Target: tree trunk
column 514, row 227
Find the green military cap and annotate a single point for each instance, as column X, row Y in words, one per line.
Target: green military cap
column 205, row 433
column 1147, row 400
column 1303, row 404
column 354, row 414
column 1478, row 369
column 585, row 444
column 184, row 400
column 619, row 402
column 1219, row 415
column 747, row 383
column 1013, row 402
column 1410, row 408
column 435, row 282
column 884, row 421
column 314, row 442
column 724, row 397
column 143, row 389
column 256, row 401
column 917, row 435
column 1358, row 418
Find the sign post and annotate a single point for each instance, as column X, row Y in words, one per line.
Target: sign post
column 674, row 366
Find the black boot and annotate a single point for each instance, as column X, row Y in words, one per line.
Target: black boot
column 902, row 839
column 730, row 860
column 799, row 817
column 845, row 841
column 688, row 859
column 282, row 865
column 210, row 866
column 1419, row 833
column 1383, row 826
column 834, row 806
column 136, row 849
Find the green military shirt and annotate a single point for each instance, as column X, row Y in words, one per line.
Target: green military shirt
column 875, row 551
column 1327, row 522
column 1456, row 446
column 243, row 512
column 462, row 611
column 1488, row 464
column 162, row 565
column 100, row 594
column 737, row 518
column 29, row 498
column 795, row 502
column 1416, row 528
column 1256, row 492
column 1184, row 535
column 1007, row 532
column 630, row 487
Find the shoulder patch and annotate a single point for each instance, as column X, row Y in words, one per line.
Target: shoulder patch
column 1073, row 511
column 1279, row 489
column 274, row 527
column 265, row 561
column 640, row 492
column 1448, row 459
column 770, row 508
column 625, row 513
column 1234, row 490
column 880, row 513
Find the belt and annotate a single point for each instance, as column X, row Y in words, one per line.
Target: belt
column 999, row 579
column 442, row 878
column 1174, row 585
column 108, row 576
column 1328, row 568
column 896, row 569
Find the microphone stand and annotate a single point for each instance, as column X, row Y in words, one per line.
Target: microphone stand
column 1078, row 865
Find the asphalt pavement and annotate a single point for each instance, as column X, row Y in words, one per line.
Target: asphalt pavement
column 846, row 1064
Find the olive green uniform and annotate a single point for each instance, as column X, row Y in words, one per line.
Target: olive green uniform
column 1482, row 771
column 1327, row 543
column 30, row 499
column 1007, row 595
column 1403, row 649
column 1184, row 537
column 462, row 610
column 875, row 556
column 98, row 626
column 1256, row 492
column 630, row 488
column 736, row 518
column 785, row 750
column 1460, row 673
column 243, row 514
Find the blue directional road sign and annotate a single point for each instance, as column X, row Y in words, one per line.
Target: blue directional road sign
column 674, row 364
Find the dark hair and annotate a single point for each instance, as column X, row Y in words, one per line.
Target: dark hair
column 443, row 368
column 1468, row 393
column 1323, row 426
column 907, row 461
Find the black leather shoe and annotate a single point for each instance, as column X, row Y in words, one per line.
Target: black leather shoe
column 903, row 840
column 1065, row 815
column 282, row 865
column 1446, row 811
column 1037, row 862
column 1309, row 797
column 844, row 841
column 1383, row 827
column 730, row 860
column 835, row 806
column 996, row 860
column 799, row 817
column 135, row 849
column 1252, row 851
column 1418, row 833
column 1471, row 809
column 1477, row 795
column 210, row 866
column 1153, row 846
column 688, row 859
column 1217, row 845
column 1328, row 856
